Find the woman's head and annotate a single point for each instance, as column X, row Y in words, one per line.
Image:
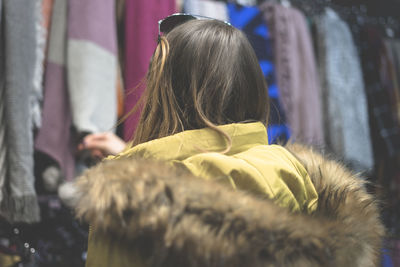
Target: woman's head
column 203, row 73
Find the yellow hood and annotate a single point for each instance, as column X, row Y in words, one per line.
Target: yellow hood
column 251, row 165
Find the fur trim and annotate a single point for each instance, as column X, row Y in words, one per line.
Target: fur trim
column 343, row 198
column 179, row 220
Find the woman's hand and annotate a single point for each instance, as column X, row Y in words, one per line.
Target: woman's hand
column 103, row 144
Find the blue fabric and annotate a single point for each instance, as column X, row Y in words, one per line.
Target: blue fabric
column 386, row 259
column 249, row 19
column 262, row 30
column 275, row 131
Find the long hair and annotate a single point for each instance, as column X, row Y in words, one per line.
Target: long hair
column 203, row 73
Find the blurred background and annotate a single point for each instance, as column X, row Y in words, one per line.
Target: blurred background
column 69, row 68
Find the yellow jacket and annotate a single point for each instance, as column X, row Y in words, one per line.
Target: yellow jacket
column 144, row 212
column 252, row 165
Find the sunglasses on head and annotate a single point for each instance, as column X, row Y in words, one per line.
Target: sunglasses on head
column 169, row 23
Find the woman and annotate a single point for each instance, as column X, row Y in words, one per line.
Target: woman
column 204, row 115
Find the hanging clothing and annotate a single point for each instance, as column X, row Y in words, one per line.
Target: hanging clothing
column 140, row 41
column 120, row 6
column 251, row 22
column 120, row 93
column 3, row 125
column 92, row 64
column 347, row 131
column 297, row 75
column 55, row 137
column 120, row 30
column 37, row 92
column 393, row 65
column 208, row 8
column 19, row 201
column 395, row 45
column 44, row 10
column 385, row 129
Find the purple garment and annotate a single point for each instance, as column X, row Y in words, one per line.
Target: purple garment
column 296, row 70
column 54, row 137
column 141, row 31
column 92, row 64
column 93, row 20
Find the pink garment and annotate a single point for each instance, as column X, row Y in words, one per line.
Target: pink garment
column 141, row 31
column 297, row 75
column 47, row 8
column 54, row 138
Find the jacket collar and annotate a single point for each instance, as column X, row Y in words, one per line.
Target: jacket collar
column 182, row 145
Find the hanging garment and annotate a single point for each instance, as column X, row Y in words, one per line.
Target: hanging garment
column 120, row 27
column 250, row 21
column 297, row 76
column 392, row 62
column 208, row 8
column 395, row 45
column 55, row 138
column 3, row 141
column 385, row 130
column 140, row 41
column 92, row 64
column 19, row 202
column 44, row 10
column 120, row 6
column 347, row 131
column 120, row 93
column 37, row 92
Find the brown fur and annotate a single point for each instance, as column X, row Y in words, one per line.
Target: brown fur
column 175, row 219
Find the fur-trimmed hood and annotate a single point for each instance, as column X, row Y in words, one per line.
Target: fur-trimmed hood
column 174, row 219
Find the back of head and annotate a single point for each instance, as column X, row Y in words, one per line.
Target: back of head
column 203, row 73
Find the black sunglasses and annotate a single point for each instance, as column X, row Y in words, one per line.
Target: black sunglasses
column 169, row 23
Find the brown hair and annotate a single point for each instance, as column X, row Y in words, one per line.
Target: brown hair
column 203, row 73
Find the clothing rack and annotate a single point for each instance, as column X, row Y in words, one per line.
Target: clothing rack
column 355, row 12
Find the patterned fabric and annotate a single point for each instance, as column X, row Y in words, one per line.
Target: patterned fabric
column 141, row 33
column 347, row 131
column 92, row 64
column 297, row 75
column 54, row 138
column 59, row 240
column 19, row 202
column 250, row 21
